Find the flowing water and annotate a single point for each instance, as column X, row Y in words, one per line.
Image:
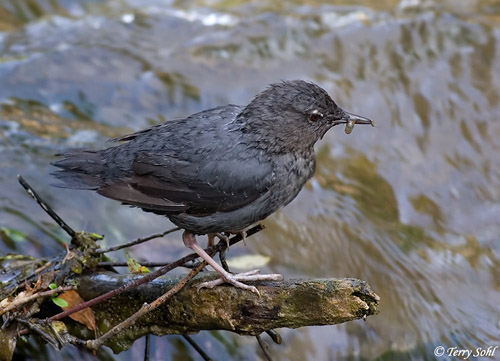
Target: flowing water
column 412, row 206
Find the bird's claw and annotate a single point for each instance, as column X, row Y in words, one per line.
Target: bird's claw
column 224, row 238
column 243, row 235
column 236, row 279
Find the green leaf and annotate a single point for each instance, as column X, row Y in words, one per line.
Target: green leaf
column 134, row 266
column 13, row 234
column 52, row 286
column 60, row 302
column 96, row 236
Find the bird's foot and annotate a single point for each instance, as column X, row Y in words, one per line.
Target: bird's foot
column 236, row 280
column 224, row 238
column 243, row 235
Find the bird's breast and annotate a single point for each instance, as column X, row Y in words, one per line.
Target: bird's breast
column 291, row 172
column 296, row 167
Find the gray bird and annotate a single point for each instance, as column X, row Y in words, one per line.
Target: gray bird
column 217, row 171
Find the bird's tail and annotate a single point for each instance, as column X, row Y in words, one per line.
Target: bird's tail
column 80, row 169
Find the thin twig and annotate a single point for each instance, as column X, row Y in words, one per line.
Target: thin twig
column 275, row 336
column 6, row 321
column 145, row 264
column 222, row 257
column 76, row 341
column 36, row 272
column 197, row 348
column 151, row 276
column 43, row 268
column 192, row 264
column 264, row 347
column 95, row 344
column 125, row 264
column 35, row 327
column 137, row 241
column 146, row 347
column 16, row 303
column 46, row 207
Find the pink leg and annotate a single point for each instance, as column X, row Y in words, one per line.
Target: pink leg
column 190, row 242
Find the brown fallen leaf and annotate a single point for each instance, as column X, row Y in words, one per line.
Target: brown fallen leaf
column 85, row 316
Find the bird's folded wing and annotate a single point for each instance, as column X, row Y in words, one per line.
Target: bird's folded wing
column 165, row 184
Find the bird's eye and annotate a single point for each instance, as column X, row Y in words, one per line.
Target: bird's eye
column 315, row 116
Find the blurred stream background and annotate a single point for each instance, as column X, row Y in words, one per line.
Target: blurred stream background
column 411, row 206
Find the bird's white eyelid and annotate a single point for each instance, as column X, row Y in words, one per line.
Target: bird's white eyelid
column 317, row 112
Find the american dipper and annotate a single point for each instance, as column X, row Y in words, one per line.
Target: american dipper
column 217, row 171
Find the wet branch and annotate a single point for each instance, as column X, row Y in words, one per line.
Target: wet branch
column 292, row 304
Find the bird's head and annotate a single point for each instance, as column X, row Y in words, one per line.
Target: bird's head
column 297, row 113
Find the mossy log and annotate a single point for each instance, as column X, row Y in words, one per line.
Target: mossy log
column 291, row 304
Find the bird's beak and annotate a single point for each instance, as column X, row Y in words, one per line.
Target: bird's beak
column 350, row 118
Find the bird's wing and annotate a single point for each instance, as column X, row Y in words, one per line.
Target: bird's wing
column 132, row 136
column 165, row 184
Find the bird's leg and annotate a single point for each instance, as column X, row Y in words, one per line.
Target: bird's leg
column 190, row 242
column 211, row 238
